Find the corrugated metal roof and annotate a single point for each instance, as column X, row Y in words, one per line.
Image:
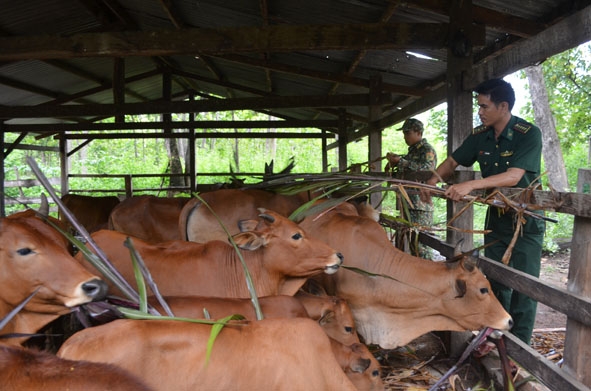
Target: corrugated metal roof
column 406, row 74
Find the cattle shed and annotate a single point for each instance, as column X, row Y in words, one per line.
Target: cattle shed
column 347, row 68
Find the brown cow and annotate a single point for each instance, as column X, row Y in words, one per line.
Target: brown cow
column 91, row 212
column 360, row 366
column 280, row 257
column 153, row 219
column 271, row 354
column 251, row 199
column 195, row 307
column 34, row 256
column 424, row 295
column 333, row 314
column 427, row 296
column 24, row 369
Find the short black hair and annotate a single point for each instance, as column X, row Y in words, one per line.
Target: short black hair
column 498, row 90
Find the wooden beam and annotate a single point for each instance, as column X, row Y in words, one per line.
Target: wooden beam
column 203, row 105
column 207, row 135
column 273, row 38
column 566, row 34
column 263, row 124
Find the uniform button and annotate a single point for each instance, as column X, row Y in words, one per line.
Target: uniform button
column 507, row 163
column 496, row 164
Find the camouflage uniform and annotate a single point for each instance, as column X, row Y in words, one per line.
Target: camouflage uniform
column 420, row 157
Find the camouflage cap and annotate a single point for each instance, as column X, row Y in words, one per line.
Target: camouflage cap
column 412, row 124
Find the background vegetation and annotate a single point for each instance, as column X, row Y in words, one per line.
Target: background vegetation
column 567, row 77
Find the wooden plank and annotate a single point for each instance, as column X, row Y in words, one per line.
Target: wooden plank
column 573, row 305
column 566, row 34
column 262, row 124
column 547, row 371
column 211, row 135
column 248, row 39
column 202, row 105
column 578, row 335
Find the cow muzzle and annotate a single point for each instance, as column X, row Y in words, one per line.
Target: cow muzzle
column 91, row 290
column 333, row 267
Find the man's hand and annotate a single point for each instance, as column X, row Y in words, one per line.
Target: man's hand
column 393, row 158
column 458, row 191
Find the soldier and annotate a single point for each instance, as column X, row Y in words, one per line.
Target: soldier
column 420, row 157
column 508, row 150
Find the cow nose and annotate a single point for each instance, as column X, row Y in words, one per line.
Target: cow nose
column 510, row 323
column 95, row 289
column 341, row 258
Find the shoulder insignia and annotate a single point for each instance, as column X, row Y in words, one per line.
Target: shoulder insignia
column 479, row 129
column 522, row 127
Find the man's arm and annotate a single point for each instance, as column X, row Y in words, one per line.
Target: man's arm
column 506, row 179
column 444, row 171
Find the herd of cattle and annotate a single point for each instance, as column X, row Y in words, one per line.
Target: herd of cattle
column 318, row 317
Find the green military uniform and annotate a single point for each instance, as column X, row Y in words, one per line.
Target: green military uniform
column 420, row 157
column 520, row 146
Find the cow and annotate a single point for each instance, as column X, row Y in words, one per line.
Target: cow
column 423, row 296
column 416, row 297
column 150, row 218
column 209, row 228
column 279, row 254
column 26, row 369
column 34, row 257
column 333, row 314
column 270, row 354
column 359, row 364
column 91, row 212
column 204, row 307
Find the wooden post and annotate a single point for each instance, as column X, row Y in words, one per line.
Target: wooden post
column 3, row 177
column 459, row 124
column 192, row 158
column 577, row 357
column 324, row 152
column 375, row 132
column 128, row 186
column 64, row 165
column 342, row 141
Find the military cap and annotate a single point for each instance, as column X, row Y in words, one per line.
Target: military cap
column 412, row 124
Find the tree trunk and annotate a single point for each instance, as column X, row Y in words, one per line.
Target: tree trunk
column 553, row 159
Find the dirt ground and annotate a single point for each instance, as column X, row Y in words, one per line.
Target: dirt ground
column 554, row 271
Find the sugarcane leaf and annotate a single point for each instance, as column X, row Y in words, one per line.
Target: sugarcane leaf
column 139, row 276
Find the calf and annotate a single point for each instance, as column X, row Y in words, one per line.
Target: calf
column 279, row 254
column 333, row 314
column 360, row 366
column 271, row 354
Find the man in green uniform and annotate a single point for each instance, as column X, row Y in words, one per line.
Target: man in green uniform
column 421, row 156
column 508, row 150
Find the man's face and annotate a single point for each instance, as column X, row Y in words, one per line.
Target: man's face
column 488, row 112
column 411, row 137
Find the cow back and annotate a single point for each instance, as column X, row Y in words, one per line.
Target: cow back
column 271, row 354
column 150, row 218
column 91, row 212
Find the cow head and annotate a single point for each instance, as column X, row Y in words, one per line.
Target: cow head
column 471, row 303
column 33, row 255
column 287, row 248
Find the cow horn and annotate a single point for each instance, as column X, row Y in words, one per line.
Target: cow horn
column 44, row 207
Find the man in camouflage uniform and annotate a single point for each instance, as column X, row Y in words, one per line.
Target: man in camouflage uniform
column 508, row 150
column 420, row 157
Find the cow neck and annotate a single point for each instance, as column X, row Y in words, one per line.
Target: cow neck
column 258, row 271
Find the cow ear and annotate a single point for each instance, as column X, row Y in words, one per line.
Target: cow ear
column 249, row 240
column 326, row 317
column 247, row 225
column 360, row 365
column 461, row 288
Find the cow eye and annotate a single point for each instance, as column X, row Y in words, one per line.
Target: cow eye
column 349, row 329
column 375, row 373
column 296, row 236
column 24, row 251
column 484, row 291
